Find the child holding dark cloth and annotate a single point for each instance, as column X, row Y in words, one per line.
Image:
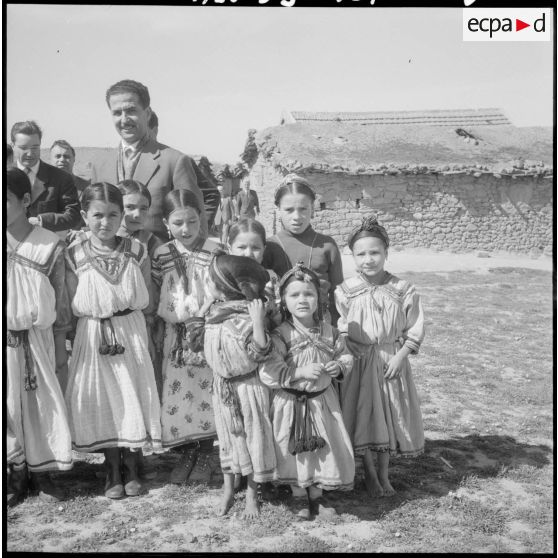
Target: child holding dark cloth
column 230, row 329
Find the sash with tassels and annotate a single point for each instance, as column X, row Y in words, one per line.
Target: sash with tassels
column 17, row 338
column 304, row 435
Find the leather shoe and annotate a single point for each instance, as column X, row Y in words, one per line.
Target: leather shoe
column 17, row 486
column 184, row 467
column 48, row 492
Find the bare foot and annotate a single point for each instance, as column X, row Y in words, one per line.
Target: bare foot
column 226, row 505
column 387, row 488
column 373, row 486
column 252, row 509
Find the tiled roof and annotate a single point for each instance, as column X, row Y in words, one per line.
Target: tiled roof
column 392, row 149
column 461, row 117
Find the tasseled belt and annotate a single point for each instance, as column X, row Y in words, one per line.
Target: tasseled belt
column 229, row 397
column 177, row 350
column 16, row 338
column 304, row 434
column 114, row 348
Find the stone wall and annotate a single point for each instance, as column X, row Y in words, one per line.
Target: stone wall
column 459, row 213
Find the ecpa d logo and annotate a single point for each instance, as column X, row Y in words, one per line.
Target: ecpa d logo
column 507, row 24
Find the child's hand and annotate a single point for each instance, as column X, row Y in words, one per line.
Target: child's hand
column 309, row 372
column 332, row 369
column 256, row 310
column 203, row 310
column 394, row 366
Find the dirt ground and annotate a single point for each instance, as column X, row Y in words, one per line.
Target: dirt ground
column 484, row 483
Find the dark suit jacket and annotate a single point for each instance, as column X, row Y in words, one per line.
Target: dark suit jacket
column 58, row 203
column 247, row 204
column 162, row 168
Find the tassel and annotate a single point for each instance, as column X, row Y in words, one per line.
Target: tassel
column 20, row 338
column 13, row 340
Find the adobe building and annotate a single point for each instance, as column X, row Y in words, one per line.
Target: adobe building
column 450, row 180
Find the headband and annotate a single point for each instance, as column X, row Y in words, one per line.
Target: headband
column 368, row 227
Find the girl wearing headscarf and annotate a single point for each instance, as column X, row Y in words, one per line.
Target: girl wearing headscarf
column 235, row 344
column 383, row 318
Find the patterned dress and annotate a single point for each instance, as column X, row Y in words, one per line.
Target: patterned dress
column 240, row 400
column 187, row 410
column 332, row 466
column 381, row 414
column 37, row 431
column 112, row 398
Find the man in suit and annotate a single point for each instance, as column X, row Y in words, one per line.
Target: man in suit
column 54, row 199
column 247, row 202
column 63, row 156
column 140, row 157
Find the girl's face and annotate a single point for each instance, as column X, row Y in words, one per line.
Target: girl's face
column 249, row 244
column 103, row 219
column 296, row 212
column 136, row 208
column 184, row 225
column 369, row 254
column 301, row 300
column 16, row 208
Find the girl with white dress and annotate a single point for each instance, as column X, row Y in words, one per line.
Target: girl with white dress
column 112, row 396
column 37, row 318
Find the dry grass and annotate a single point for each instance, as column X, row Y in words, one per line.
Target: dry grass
column 485, row 379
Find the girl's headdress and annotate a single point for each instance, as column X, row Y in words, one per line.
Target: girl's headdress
column 293, row 183
column 369, row 227
column 300, row 273
column 238, row 277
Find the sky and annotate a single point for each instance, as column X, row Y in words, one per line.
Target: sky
column 214, row 72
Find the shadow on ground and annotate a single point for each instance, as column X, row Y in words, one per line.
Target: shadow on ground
column 441, row 469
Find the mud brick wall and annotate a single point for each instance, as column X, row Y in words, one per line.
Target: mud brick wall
column 459, row 213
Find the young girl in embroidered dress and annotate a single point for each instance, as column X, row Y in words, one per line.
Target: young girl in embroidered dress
column 383, row 318
column 111, row 397
column 298, row 241
column 37, row 317
column 180, row 272
column 235, row 343
column 312, row 446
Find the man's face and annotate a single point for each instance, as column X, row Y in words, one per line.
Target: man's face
column 62, row 158
column 27, row 149
column 129, row 117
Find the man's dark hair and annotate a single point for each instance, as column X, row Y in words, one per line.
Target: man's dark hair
column 129, row 86
column 28, row 127
column 64, row 145
column 153, row 120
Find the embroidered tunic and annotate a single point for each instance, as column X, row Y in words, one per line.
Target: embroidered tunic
column 187, row 410
column 112, row 398
column 37, row 431
column 332, row 466
column 240, row 400
column 381, row 414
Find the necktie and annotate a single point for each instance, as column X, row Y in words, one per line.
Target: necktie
column 128, row 161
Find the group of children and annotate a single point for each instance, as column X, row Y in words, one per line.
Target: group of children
column 180, row 343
